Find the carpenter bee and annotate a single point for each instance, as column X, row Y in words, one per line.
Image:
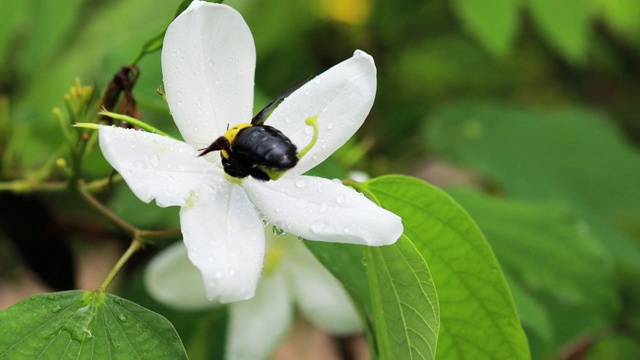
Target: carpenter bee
column 255, row 149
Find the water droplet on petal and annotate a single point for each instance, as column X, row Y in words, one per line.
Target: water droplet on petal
column 278, row 209
column 277, row 231
column 318, row 226
column 346, row 229
column 155, row 160
column 300, row 183
column 340, row 198
column 330, row 125
column 218, row 274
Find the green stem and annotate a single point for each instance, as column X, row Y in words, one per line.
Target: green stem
column 24, row 186
column 115, row 219
column 141, row 124
column 135, row 246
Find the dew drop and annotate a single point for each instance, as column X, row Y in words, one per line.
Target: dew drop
column 278, row 209
column 340, row 198
column 155, row 160
column 330, row 125
column 56, row 308
column 287, row 119
column 218, row 274
column 51, row 297
column 122, row 318
column 317, row 80
column 346, row 229
column 318, row 226
column 300, row 183
column 277, row 231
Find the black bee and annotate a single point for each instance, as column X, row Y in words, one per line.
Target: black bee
column 255, row 149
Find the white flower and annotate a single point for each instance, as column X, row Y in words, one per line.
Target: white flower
column 293, row 277
column 208, row 61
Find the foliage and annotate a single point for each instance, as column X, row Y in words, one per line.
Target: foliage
column 536, row 98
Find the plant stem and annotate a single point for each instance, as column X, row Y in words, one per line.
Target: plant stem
column 135, row 246
column 24, row 186
column 130, row 229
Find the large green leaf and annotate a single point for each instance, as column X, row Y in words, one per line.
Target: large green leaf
column 570, row 155
column 545, row 246
column 85, row 325
column 565, row 24
column 494, row 23
column 478, row 317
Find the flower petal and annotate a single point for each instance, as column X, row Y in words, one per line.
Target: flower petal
column 341, row 97
column 171, row 279
column 257, row 326
column 225, row 239
column 208, row 64
column 158, row 167
column 322, row 209
column 319, row 295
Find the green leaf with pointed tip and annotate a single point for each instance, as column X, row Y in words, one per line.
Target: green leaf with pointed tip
column 494, row 23
column 565, row 24
column 85, row 325
column 478, row 317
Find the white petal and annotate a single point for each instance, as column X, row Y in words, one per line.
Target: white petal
column 341, row 97
column 157, row 167
column 171, row 279
column 318, row 294
column 208, row 63
column 257, row 326
column 321, row 209
column 225, row 239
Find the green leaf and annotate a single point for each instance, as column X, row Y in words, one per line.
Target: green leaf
column 85, row 325
column 405, row 302
column 544, row 246
column 572, row 156
column 478, row 317
column 565, row 24
column 494, row 23
column 623, row 16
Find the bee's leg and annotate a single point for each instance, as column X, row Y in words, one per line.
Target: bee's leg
column 221, row 143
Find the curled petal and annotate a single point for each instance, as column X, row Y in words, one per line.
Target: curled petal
column 318, row 294
column 225, row 240
column 341, row 97
column 208, row 64
column 258, row 325
column 157, row 167
column 173, row 280
column 321, row 209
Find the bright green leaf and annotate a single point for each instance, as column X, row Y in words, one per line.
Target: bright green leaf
column 85, row 325
column 404, row 301
column 544, row 246
column 565, row 24
column 623, row 16
column 494, row 23
column 478, row 317
column 572, row 156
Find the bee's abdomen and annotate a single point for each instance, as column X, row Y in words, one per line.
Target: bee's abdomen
column 265, row 146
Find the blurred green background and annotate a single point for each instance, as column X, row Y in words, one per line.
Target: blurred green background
column 525, row 111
